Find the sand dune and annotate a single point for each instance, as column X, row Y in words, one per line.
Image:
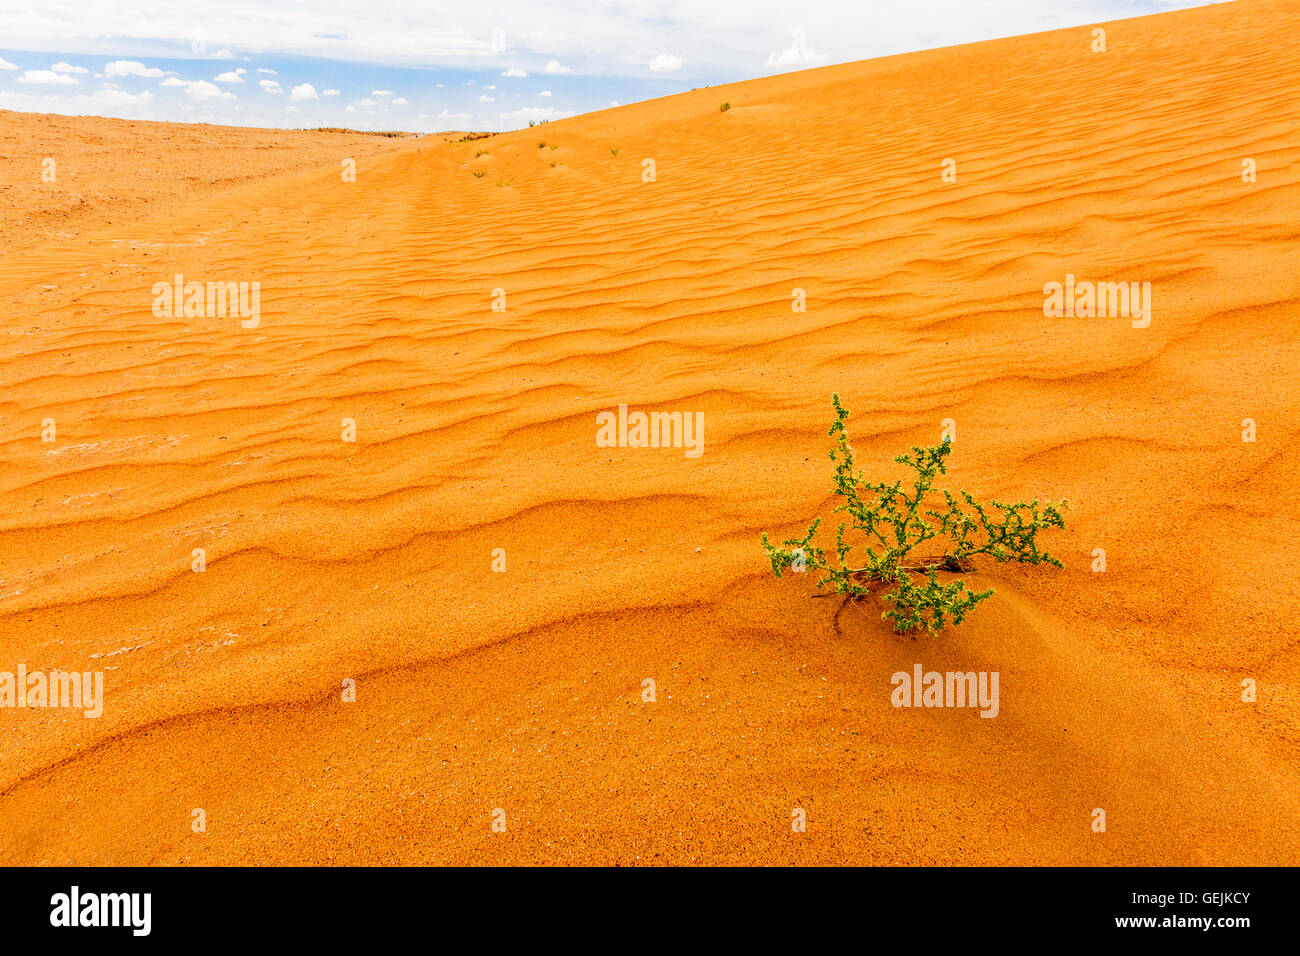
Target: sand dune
column 522, row 691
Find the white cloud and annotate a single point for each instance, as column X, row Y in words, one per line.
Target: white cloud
column 400, row 101
column 199, row 89
column 271, row 86
column 544, row 93
column 349, row 109
column 555, row 66
column 492, row 87
column 534, row 113
column 203, row 90
column 68, row 68
column 444, row 115
column 796, row 55
column 113, row 96
column 234, row 76
column 368, row 102
column 304, row 91
column 262, row 69
column 329, row 92
column 515, row 71
column 666, row 63
column 131, row 68
column 107, row 101
column 381, row 92
column 6, row 65
column 47, row 78
column 486, row 99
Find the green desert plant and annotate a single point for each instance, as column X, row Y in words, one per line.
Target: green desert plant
column 479, row 173
column 613, row 151
column 724, row 107
column 892, row 520
column 480, row 152
column 542, row 144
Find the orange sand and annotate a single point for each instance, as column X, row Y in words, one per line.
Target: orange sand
column 522, row 690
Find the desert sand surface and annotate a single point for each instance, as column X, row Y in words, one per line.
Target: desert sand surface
column 522, row 691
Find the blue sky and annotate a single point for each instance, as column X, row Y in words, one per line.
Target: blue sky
column 398, row 64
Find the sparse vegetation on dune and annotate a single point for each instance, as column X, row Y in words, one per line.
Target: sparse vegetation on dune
column 389, row 134
column 892, row 522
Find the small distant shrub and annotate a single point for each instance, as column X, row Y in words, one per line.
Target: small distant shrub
column 480, row 152
column 892, row 520
column 479, row 174
column 542, row 144
column 724, row 107
column 613, row 151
